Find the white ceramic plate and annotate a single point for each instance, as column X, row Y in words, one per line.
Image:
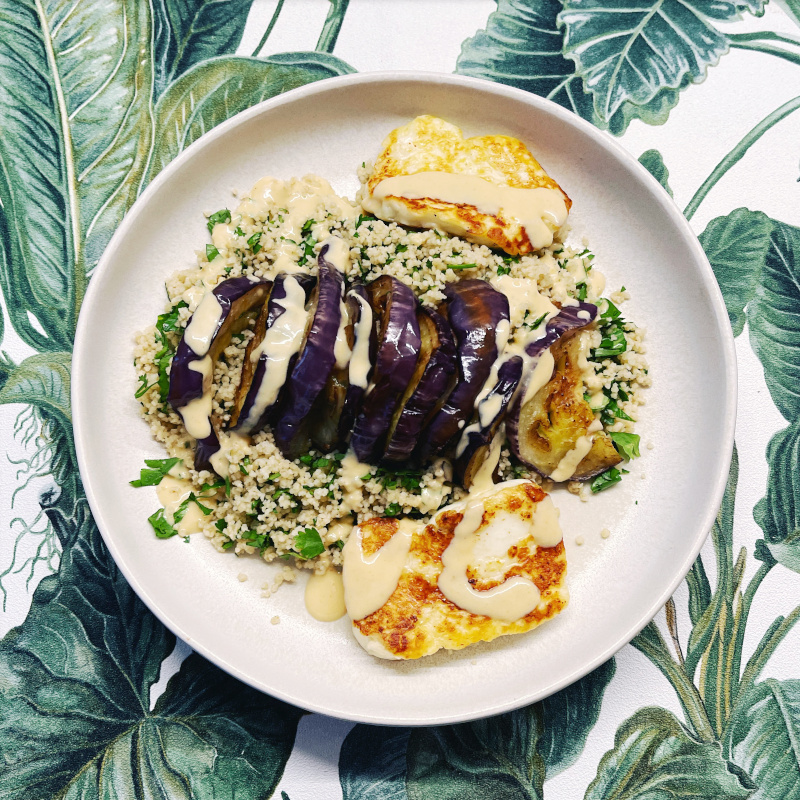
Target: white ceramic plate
column 658, row 517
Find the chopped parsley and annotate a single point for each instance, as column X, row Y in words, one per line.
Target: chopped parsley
column 144, row 386
column 408, row 479
column 582, row 290
column 462, row 266
column 307, row 226
column 605, row 480
column 259, row 540
column 401, row 248
column 211, row 252
column 218, row 217
column 166, row 323
column 626, row 443
column 536, row 323
column 155, row 470
column 610, row 311
column 243, row 464
column 239, row 231
column 503, row 270
column 392, row 510
column 308, row 544
column 613, row 342
column 162, row 528
column 612, row 412
column 255, row 242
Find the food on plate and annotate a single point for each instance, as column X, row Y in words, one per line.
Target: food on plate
column 490, row 566
column 323, row 371
column 488, row 189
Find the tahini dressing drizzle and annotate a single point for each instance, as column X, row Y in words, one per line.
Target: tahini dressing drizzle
column 529, row 207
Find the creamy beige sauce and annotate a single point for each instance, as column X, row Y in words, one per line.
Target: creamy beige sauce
column 360, row 364
column 473, row 542
column 509, row 601
column 203, row 325
column 341, row 349
column 351, row 473
column 324, row 596
column 196, row 414
column 540, row 376
column 483, row 480
column 528, row 207
column 171, row 493
column 569, row 463
column 299, row 203
column 523, row 296
column 221, row 461
column 282, row 340
column 370, row 581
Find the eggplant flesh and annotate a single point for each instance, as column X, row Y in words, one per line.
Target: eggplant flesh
column 473, row 446
column 365, row 348
column 316, row 360
column 430, row 386
column 551, row 423
column 226, row 310
column 394, row 307
column 475, row 310
column 328, row 410
column 266, row 368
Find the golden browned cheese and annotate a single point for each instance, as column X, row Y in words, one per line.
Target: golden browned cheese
column 429, row 144
column 418, row 619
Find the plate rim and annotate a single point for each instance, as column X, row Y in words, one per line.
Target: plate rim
column 608, row 142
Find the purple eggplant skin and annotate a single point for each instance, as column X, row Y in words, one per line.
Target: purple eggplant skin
column 474, row 309
column 274, row 312
column 433, row 387
column 476, row 448
column 569, row 318
column 394, row 307
column 355, row 393
column 237, row 298
column 314, row 364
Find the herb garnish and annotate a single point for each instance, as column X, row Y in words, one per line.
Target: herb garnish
column 605, row 479
column 211, row 252
column 162, row 528
column 255, row 242
column 392, row 510
column 308, row 544
column 156, row 469
column 626, row 443
column 408, row 479
column 166, row 323
column 217, row 217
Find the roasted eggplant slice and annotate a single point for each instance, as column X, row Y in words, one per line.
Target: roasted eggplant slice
column 395, row 312
column 551, row 423
column 475, row 310
column 330, row 404
column 279, row 335
column 222, row 312
column 430, row 385
column 362, row 361
column 473, row 445
column 317, row 358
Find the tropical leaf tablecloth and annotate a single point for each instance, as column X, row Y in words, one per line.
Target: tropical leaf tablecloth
column 97, row 698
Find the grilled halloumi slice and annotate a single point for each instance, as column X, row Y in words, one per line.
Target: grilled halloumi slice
column 482, row 568
column 488, row 189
